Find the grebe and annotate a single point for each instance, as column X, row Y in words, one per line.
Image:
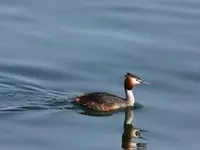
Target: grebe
column 103, row 101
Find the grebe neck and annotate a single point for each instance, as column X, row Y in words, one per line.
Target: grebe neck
column 130, row 97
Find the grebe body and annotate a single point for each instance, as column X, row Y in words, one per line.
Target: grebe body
column 103, row 101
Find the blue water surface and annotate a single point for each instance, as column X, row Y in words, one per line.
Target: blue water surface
column 53, row 50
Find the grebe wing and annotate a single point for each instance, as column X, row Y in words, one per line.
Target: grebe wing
column 101, row 97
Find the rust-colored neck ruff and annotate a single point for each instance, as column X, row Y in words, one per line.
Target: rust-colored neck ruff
column 128, row 85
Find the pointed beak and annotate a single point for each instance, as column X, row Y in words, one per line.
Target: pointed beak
column 145, row 82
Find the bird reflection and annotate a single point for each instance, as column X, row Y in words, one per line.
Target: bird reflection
column 130, row 133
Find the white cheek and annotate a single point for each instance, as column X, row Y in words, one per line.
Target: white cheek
column 136, row 82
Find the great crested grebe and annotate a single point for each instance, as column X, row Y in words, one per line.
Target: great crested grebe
column 103, row 101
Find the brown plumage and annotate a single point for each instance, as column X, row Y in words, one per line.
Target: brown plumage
column 101, row 101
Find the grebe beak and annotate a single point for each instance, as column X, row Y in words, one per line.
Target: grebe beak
column 145, row 82
column 140, row 81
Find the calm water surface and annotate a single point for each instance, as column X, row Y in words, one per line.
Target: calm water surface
column 53, row 50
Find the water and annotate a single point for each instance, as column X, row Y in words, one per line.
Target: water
column 52, row 50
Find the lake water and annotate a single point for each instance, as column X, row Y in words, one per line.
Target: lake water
column 53, row 50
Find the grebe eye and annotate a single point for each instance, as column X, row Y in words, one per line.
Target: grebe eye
column 138, row 80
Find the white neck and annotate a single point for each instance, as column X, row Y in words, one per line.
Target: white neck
column 130, row 97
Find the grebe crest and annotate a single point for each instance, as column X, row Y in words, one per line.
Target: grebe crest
column 103, row 101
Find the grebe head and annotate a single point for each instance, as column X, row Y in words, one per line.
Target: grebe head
column 131, row 80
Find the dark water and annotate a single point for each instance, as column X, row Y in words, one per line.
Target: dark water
column 52, row 50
